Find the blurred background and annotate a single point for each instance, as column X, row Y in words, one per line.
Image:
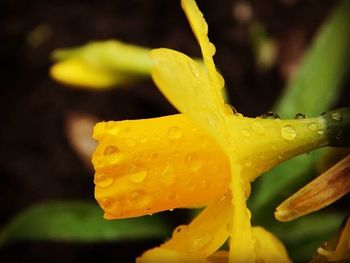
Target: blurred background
column 45, row 128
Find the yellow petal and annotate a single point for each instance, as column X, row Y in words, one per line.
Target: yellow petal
column 186, row 85
column 77, row 73
column 200, row 29
column 147, row 166
column 100, row 64
column 268, row 247
column 202, row 237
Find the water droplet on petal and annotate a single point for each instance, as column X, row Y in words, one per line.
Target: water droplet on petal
column 313, row 127
column 112, row 127
column 111, row 150
column 299, row 116
column 201, row 242
column 175, row 133
column 194, row 69
column 139, row 198
column 258, row 127
column 249, row 162
column 270, row 115
column 211, row 49
column 103, row 180
column 179, row 229
column 281, row 156
column 229, row 109
column 143, row 138
column 112, row 154
column 337, row 116
column 239, row 115
column 288, row 132
column 245, row 133
column 193, row 161
column 167, row 175
column 138, row 177
column 106, row 203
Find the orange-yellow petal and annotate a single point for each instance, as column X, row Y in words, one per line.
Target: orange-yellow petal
column 201, row 238
column 147, row 166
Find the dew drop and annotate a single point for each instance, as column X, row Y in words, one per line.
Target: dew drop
column 211, row 49
column 138, row 177
column 139, row 198
column 193, row 161
column 167, row 175
column 179, row 229
column 258, row 127
column 143, row 138
column 175, row 133
column 270, row 115
column 229, row 109
column 111, row 150
column 112, row 127
column 201, row 242
column 103, row 180
column 204, row 27
column 320, row 131
column 288, row 132
column 221, row 80
column 337, row 116
column 299, row 116
column 245, row 133
column 106, row 203
column 281, row 156
column 313, row 126
column 249, row 162
column 239, row 115
column 194, row 69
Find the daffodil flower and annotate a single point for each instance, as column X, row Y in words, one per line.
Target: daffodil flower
column 206, row 156
column 100, row 64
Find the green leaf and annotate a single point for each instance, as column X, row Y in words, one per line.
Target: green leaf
column 313, row 90
column 79, row 221
column 318, row 80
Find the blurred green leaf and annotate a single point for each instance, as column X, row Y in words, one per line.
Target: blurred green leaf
column 317, row 82
column 79, row 221
column 313, row 91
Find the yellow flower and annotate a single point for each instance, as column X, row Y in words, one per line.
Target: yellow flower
column 206, row 156
column 99, row 65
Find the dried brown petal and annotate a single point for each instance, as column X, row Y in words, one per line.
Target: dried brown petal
column 324, row 190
